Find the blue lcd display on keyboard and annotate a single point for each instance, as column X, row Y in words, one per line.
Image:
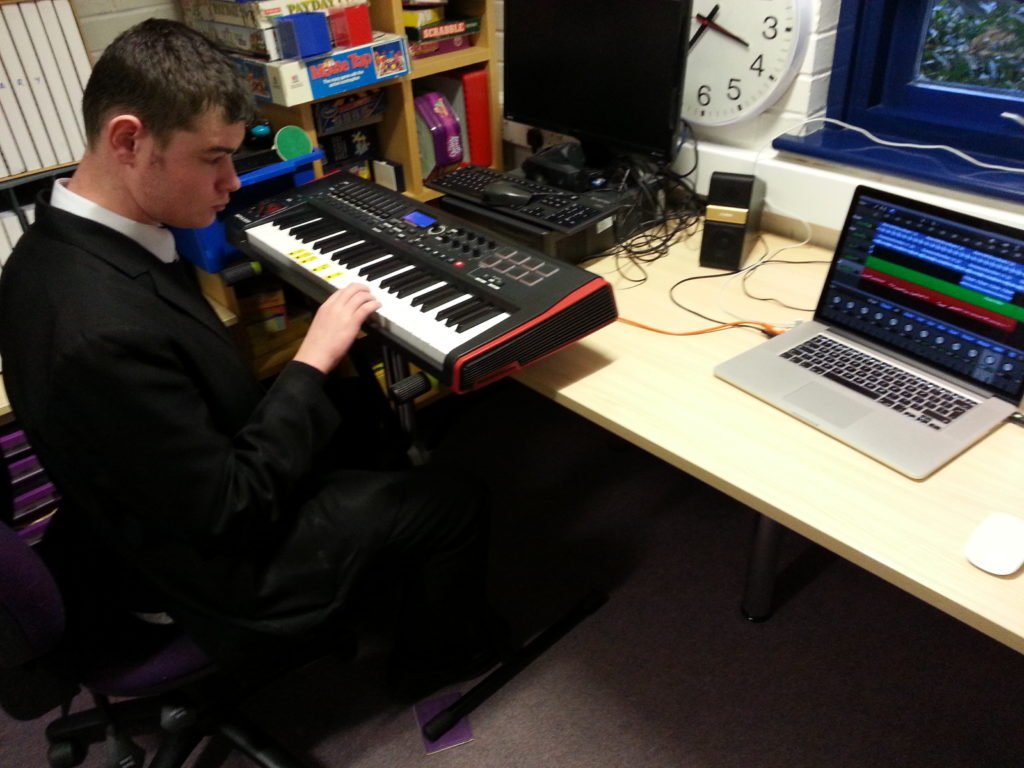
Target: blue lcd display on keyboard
column 420, row 219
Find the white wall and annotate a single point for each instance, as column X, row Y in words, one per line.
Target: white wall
column 102, row 20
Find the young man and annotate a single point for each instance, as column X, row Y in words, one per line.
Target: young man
column 189, row 489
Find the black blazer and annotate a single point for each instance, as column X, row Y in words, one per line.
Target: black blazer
column 172, row 459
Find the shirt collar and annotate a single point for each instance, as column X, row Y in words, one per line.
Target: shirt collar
column 157, row 240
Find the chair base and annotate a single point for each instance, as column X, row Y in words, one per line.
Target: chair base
column 181, row 729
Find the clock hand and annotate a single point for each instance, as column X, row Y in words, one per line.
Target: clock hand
column 706, row 22
column 703, row 26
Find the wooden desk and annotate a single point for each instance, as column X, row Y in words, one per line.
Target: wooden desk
column 659, row 393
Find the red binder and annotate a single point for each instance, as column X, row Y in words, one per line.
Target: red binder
column 478, row 116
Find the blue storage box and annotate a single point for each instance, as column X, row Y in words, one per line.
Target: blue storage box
column 303, row 35
column 208, row 248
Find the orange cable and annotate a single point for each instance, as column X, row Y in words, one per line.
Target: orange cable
column 739, row 323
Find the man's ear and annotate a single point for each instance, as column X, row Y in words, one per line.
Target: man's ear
column 123, row 135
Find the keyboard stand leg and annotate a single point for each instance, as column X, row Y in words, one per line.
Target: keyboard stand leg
column 761, row 570
column 512, row 665
column 404, row 388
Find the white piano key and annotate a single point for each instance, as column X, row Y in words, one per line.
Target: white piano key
column 422, row 331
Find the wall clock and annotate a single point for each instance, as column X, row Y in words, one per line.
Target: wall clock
column 742, row 56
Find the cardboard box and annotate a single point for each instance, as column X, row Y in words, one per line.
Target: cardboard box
column 348, row 148
column 424, row 49
column 298, row 81
column 261, row 14
column 349, row 111
column 258, row 43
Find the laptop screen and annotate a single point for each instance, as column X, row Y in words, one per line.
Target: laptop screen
column 935, row 285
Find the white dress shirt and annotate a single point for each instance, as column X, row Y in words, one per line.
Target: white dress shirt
column 157, row 240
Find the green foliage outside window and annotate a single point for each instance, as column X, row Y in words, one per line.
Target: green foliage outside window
column 976, row 44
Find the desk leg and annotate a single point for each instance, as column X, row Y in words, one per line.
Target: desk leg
column 764, row 557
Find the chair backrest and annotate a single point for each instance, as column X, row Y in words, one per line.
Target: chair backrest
column 31, row 609
column 31, row 626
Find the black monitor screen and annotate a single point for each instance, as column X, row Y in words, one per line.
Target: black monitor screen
column 608, row 72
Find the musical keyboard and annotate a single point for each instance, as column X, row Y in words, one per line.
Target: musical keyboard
column 466, row 305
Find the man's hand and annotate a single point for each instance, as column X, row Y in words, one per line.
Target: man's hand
column 335, row 326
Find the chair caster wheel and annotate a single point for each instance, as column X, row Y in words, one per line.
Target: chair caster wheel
column 65, row 754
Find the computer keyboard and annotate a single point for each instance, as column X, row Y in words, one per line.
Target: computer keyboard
column 550, row 207
column 896, row 388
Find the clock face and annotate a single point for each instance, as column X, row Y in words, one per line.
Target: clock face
column 743, row 55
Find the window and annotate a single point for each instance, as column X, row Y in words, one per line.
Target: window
column 931, row 72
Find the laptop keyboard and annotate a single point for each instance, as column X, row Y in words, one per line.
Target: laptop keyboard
column 891, row 386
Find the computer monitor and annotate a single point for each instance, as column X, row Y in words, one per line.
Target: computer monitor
column 607, row 72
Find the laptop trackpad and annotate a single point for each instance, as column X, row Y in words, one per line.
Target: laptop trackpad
column 826, row 404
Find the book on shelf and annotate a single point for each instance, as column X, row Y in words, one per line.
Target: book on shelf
column 445, row 28
column 34, row 142
column 12, row 160
column 62, row 54
column 6, row 244
column 73, row 38
column 12, row 229
column 66, row 110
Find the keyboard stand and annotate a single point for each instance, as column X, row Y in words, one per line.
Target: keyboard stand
column 511, row 666
column 404, row 387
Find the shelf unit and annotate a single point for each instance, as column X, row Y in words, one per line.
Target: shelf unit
column 397, row 132
column 13, row 180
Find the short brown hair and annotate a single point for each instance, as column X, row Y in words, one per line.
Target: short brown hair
column 167, row 75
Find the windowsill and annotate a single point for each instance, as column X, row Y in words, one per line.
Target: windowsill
column 937, row 167
column 805, row 193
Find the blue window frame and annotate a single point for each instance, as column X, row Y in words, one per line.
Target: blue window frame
column 874, row 85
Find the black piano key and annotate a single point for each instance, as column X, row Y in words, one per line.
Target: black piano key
column 396, row 282
column 329, row 244
column 423, row 281
column 463, row 309
column 381, row 268
column 484, row 313
column 297, row 216
column 437, row 297
column 316, row 231
column 301, row 229
column 358, row 254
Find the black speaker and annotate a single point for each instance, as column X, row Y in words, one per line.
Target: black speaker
column 732, row 219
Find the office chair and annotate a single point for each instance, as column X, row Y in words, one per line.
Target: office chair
column 170, row 688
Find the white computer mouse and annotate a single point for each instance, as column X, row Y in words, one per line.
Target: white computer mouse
column 997, row 544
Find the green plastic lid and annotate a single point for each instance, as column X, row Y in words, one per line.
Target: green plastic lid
column 291, row 142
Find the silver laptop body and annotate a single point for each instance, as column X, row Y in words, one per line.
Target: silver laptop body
column 936, row 294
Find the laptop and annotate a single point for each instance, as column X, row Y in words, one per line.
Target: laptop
column 916, row 349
